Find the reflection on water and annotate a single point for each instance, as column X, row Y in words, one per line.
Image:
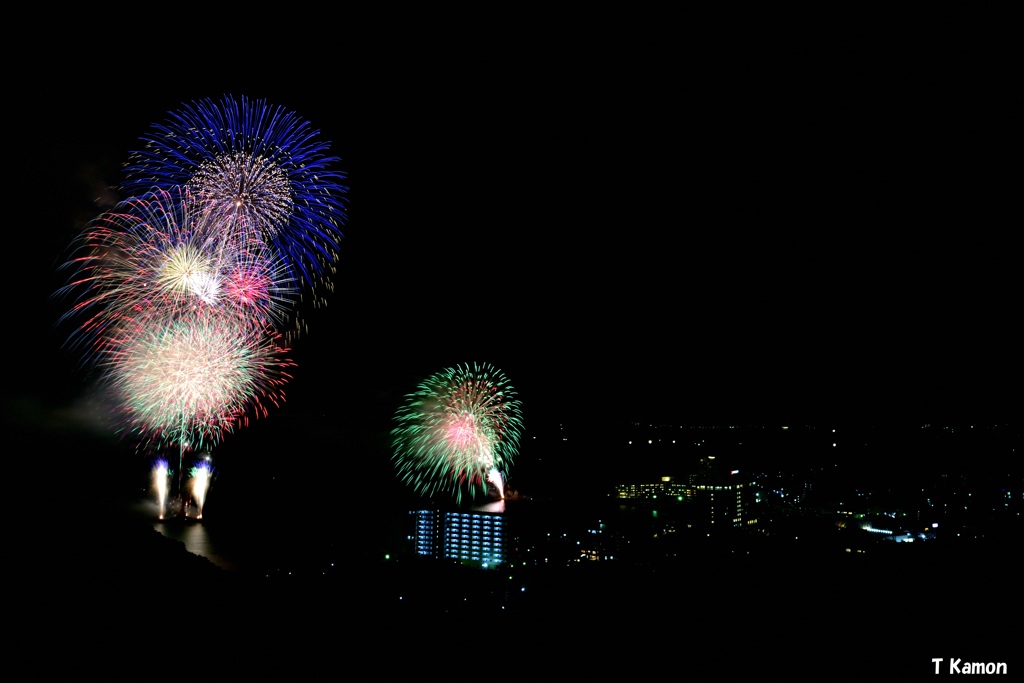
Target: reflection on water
column 255, row 545
column 218, row 545
column 198, row 540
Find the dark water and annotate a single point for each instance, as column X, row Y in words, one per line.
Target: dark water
column 224, row 550
column 231, row 547
column 283, row 541
column 305, row 541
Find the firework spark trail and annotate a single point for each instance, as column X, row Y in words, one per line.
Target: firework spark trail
column 137, row 255
column 457, row 431
column 158, row 251
column 263, row 164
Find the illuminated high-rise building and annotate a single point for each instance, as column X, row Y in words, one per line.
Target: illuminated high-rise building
column 476, row 538
column 424, row 533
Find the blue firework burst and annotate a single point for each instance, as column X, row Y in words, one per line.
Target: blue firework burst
column 260, row 164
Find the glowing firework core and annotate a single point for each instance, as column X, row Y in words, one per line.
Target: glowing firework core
column 255, row 189
column 188, row 270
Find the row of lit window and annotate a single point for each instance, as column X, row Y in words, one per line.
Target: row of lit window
column 473, row 556
column 455, row 534
column 708, row 487
column 471, row 542
column 473, row 516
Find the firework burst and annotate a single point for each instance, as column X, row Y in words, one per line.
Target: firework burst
column 159, row 252
column 190, row 377
column 457, row 431
column 179, row 291
column 262, row 165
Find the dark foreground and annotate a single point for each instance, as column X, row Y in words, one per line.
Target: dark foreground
column 721, row 614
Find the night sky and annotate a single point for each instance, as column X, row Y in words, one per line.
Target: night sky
column 741, row 227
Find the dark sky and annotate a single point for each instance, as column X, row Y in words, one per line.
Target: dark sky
column 745, row 225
